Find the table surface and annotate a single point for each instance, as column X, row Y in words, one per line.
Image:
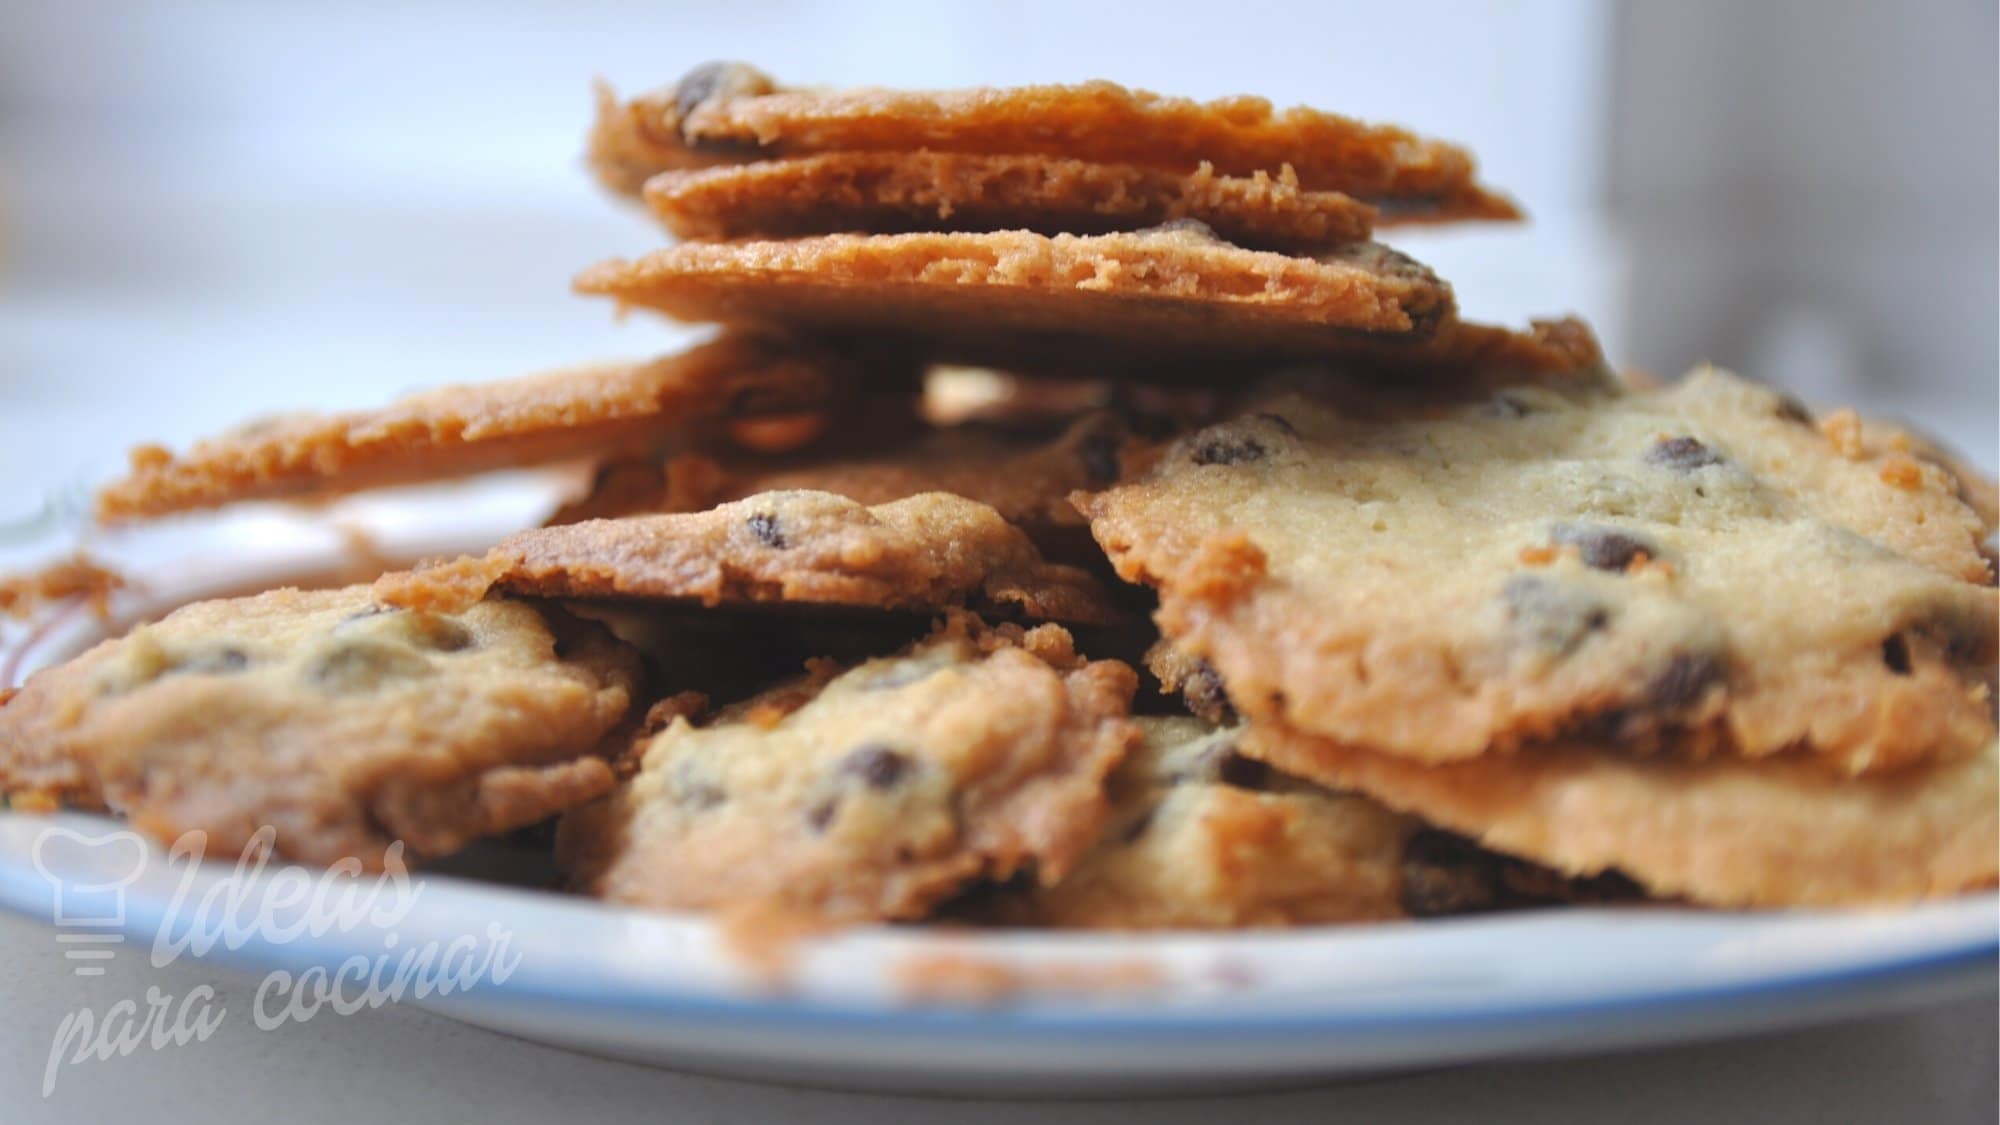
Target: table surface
column 399, row 1063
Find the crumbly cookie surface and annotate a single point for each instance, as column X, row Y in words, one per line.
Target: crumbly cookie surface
column 728, row 112
column 1201, row 837
column 1026, row 474
column 1437, row 577
column 920, row 554
column 1776, row 832
column 888, row 192
column 969, row 295
column 453, row 431
column 341, row 723
column 870, row 793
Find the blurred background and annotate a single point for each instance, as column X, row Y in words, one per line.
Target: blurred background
column 215, row 209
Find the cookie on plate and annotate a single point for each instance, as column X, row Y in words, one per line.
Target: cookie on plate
column 921, row 555
column 892, row 192
column 1006, row 296
column 1024, row 473
column 1774, row 832
column 453, row 431
column 872, row 792
column 1437, row 574
column 731, row 112
column 342, row 724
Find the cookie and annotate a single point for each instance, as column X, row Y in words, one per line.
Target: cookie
column 730, row 112
column 891, row 192
column 1200, row 837
column 1004, row 296
column 1439, row 573
column 920, row 555
column 453, row 431
column 1023, row 473
column 1776, row 832
column 341, row 723
column 870, row 793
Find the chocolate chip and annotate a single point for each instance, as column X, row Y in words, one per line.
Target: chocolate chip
column 715, row 80
column 1099, row 453
column 1233, row 769
column 221, row 661
column 1278, row 420
column 764, row 526
column 1443, row 873
column 1792, row 410
column 1896, row 654
column 1138, row 827
column 1552, row 617
column 1221, row 449
column 1686, row 678
column 441, row 634
column 1602, row 548
column 878, row 766
column 1203, row 693
column 821, row 815
column 359, row 666
column 1682, row 454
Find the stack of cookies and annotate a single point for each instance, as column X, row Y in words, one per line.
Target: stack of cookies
column 1081, row 520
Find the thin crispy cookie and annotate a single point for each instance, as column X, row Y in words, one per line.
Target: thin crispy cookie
column 921, row 554
column 454, row 431
column 968, row 296
column 727, row 112
column 1780, row 832
column 886, row 192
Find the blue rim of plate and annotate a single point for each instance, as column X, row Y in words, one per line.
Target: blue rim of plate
column 1962, row 965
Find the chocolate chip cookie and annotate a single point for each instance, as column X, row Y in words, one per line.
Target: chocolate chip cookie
column 1783, row 831
column 343, row 724
column 872, row 792
column 452, row 431
column 1441, row 573
column 920, row 554
column 731, row 112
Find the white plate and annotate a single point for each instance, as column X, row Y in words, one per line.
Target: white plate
column 913, row 1009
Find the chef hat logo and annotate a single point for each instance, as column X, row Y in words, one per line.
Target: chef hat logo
column 89, row 873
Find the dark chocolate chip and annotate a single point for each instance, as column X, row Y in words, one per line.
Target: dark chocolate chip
column 712, row 80
column 764, row 526
column 699, row 795
column 359, row 666
column 1896, row 654
column 1682, row 454
column 221, row 661
column 1278, row 420
column 1204, row 695
column 821, row 815
column 1602, row 548
column 878, row 766
column 1221, row 449
column 1138, row 827
column 440, row 634
column 1550, row 616
column 1232, row 768
column 1099, row 453
column 1792, row 410
column 1686, row 678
